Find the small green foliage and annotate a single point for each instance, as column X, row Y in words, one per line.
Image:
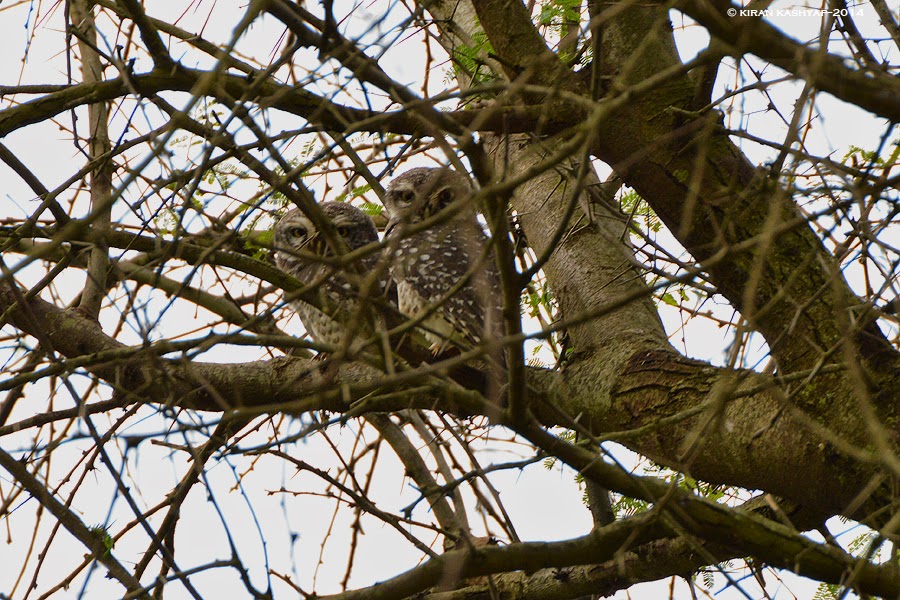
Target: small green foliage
column 558, row 13
column 628, row 507
column 707, row 490
column 257, row 238
column 586, row 56
column 681, row 175
column 108, row 542
column 258, row 242
column 568, row 436
column 828, row 591
column 166, row 221
column 567, row 56
column 670, row 299
column 372, row 209
column 859, row 157
column 263, row 238
column 308, row 149
column 558, row 17
column 277, row 197
column 633, row 205
column 861, row 545
column 468, row 61
column 537, row 299
column 354, row 193
column 701, row 488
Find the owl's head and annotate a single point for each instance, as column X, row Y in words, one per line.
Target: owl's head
column 296, row 235
column 422, row 192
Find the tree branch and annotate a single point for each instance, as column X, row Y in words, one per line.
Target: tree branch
column 82, row 14
column 642, row 383
column 92, row 539
column 875, row 91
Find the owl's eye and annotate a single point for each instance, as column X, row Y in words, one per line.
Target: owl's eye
column 445, row 197
column 407, row 196
column 343, row 231
column 298, row 232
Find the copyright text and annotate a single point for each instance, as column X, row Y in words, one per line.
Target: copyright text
column 794, row 12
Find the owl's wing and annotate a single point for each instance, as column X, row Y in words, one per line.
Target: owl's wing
column 433, row 262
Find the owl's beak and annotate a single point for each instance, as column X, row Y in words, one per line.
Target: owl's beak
column 392, row 222
column 318, row 245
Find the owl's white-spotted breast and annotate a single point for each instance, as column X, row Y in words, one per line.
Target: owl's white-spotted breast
column 447, row 270
column 302, row 251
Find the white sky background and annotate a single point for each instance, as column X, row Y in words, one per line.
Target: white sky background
column 544, row 504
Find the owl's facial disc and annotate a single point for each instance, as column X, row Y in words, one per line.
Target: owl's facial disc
column 403, row 199
column 319, row 245
column 438, row 201
column 304, row 239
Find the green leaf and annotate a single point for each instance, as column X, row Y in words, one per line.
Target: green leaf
column 354, row 193
column 828, row 591
column 469, row 60
column 372, row 209
column 108, row 542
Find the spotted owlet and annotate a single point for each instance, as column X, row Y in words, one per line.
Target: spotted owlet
column 446, row 270
column 303, row 252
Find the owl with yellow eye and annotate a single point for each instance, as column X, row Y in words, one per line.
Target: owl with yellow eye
column 301, row 250
column 445, row 274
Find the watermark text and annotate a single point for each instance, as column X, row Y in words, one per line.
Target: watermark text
column 794, row 12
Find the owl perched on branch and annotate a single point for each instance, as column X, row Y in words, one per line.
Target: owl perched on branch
column 445, row 271
column 303, row 251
